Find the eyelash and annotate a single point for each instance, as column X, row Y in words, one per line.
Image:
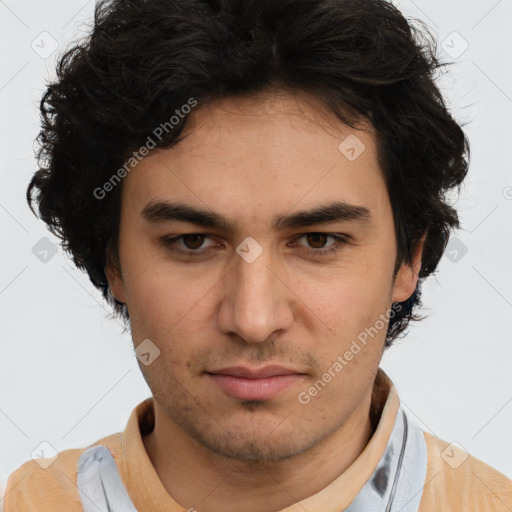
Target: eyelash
column 171, row 243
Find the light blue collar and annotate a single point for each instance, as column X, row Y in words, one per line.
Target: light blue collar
column 395, row 486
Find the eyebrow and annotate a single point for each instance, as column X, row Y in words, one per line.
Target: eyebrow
column 164, row 211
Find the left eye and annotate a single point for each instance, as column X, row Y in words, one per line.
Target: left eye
column 317, row 244
column 318, row 240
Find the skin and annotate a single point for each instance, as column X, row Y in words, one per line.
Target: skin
column 250, row 159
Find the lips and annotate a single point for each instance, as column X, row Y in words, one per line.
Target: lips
column 260, row 384
column 248, row 373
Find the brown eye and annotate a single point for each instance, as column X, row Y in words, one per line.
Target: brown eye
column 193, row 241
column 190, row 245
column 317, row 244
column 317, row 240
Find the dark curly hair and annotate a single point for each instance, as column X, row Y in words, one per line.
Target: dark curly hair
column 144, row 59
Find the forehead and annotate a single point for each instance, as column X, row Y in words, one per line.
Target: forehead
column 269, row 152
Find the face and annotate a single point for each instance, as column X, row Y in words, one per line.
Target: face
column 254, row 255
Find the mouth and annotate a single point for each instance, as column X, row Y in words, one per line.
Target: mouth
column 259, row 384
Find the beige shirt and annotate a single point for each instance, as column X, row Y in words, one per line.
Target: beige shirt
column 448, row 485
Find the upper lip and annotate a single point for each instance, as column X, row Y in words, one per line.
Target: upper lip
column 254, row 373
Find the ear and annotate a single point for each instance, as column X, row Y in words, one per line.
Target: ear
column 408, row 274
column 115, row 281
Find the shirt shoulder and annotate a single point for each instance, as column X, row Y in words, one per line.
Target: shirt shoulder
column 456, row 481
column 47, row 485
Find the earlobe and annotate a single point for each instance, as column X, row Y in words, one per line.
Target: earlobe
column 408, row 275
column 115, row 282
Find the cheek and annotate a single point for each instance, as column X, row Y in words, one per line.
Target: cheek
column 350, row 297
column 347, row 314
column 156, row 303
column 166, row 304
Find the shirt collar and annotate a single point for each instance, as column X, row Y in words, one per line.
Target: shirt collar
column 144, row 485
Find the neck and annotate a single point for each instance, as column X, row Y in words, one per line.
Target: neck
column 196, row 477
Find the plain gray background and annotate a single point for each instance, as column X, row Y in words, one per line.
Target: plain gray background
column 68, row 374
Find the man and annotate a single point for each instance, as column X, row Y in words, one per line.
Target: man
column 258, row 189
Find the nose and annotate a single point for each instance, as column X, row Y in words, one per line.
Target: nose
column 256, row 301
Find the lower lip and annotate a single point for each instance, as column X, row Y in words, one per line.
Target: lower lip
column 254, row 389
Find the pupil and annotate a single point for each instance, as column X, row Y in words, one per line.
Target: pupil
column 193, row 241
column 316, row 240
